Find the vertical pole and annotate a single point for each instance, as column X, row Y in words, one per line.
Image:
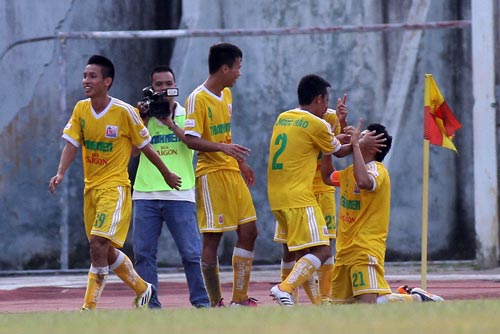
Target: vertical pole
column 425, row 215
column 484, row 134
column 64, row 191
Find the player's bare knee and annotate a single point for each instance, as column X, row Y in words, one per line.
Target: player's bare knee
column 99, row 245
column 247, row 234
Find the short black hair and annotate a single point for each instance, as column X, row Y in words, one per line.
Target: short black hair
column 162, row 68
column 223, row 54
column 379, row 128
column 311, row 86
column 108, row 69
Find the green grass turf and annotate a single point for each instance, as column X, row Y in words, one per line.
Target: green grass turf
column 475, row 316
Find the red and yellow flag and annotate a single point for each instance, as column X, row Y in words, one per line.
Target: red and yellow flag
column 439, row 122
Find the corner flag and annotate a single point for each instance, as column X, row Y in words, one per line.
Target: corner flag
column 439, row 122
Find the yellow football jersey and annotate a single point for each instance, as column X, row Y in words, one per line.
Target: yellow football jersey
column 363, row 220
column 106, row 140
column 209, row 118
column 297, row 139
column 318, row 185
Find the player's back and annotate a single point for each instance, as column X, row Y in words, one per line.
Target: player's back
column 297, row 139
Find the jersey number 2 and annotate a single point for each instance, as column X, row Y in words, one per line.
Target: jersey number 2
column 281, row 140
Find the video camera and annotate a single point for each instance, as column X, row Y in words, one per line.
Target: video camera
column 155, row 104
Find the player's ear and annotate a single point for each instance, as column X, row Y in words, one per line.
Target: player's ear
column 318, row 99
column 108, row 81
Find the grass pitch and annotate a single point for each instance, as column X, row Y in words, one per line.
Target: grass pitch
column 473, row 316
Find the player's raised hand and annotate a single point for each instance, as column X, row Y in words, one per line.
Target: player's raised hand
column 371, row 141
column 342, row 108
column 354, row 132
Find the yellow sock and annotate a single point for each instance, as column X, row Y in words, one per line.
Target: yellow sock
column 303, row 269
column 396, row 298
column 311, row 288
column 242, row 267
column 286, row 269
column 124, row 269
column 211, row 277
column 95, row 284
column 325, row 273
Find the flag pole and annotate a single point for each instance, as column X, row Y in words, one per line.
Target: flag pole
column 425, row 209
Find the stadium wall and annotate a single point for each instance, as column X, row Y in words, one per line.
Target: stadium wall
column 361, row 64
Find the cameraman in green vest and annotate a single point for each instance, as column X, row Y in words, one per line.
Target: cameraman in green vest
column 154, row 202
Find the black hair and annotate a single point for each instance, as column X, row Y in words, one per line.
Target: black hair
column 223, row 54
column 311, row 86
column 162, row 68
column 379, row 128
column 107, row 67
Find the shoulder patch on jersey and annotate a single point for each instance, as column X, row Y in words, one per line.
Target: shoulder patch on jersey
column 144, row 132
column 230, row 108
column 68, row 126
column 189, row 123
column 111, row 131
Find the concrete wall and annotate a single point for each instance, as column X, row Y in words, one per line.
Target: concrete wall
column 31, row 122
column 361, row 64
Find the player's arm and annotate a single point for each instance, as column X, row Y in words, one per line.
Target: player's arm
column 344, row 151
column 170, row 178
column 328, row 173
column 247, row 173
column 67, row 156
column 177, row 130
column 239, row 152
column 135, row 152
column 370, row 141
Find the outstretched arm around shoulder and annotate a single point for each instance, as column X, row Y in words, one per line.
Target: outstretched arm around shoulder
column 239, row 152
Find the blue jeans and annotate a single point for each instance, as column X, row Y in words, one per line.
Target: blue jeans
column 180, row 218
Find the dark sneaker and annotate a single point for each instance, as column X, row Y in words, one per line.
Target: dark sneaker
column 220, row 303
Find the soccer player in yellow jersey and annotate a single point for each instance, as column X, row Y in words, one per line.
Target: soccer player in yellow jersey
column 325, row 196
column 224, row 202
column 107, row 129
column 365, row 195
column 299, row 136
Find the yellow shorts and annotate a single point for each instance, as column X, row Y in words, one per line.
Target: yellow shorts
column 223, row 202
column 326, row 202
column 107, row 213
column 349, row 281
column 301, row 228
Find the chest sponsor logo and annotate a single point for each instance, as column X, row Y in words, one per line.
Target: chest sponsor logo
column 111, row 131
column 350, row 204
